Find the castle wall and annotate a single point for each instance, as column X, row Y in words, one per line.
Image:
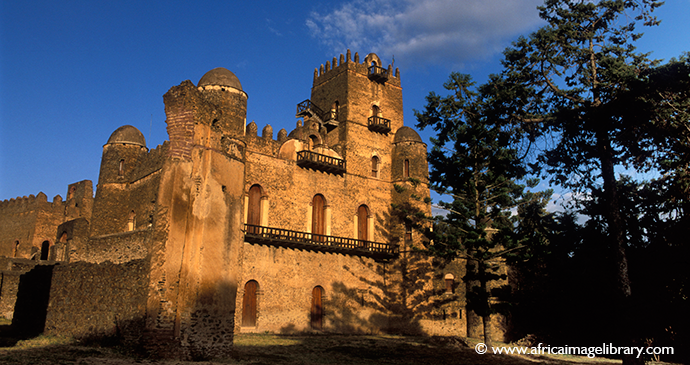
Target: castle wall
column 89, row 299
column 29, row 221
column 356, row 297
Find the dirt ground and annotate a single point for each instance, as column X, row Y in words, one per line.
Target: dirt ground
column 297, row 349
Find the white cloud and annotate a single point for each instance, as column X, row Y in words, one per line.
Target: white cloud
column 425, row 31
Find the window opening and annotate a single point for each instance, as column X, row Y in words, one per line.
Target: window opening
column 408, row 232
column 450, row 280
column 16, row 249
column 45, row 249
column 121, row 170
column 317, row 308
column 249, row 304
column 374, row 166
column 406, row 168
column 132, row 221
column 375, row 111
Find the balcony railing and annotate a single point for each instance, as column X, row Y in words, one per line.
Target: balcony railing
column 378, row 124
column 317, row 242
column 307, row 107
column 320, row 162
column 377, row 73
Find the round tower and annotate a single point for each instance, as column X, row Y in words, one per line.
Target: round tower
column 223, row 89
column 409, row 156
column 121, row 155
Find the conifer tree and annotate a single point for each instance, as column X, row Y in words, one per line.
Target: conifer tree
column 566, row 81
column 473, row 162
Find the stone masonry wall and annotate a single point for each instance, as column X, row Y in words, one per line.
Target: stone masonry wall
column 98, row 299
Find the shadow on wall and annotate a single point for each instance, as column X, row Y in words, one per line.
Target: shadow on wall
column 31, row 308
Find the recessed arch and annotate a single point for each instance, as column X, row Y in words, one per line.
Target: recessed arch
column 406, row 168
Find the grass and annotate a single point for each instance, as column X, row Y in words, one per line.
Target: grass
column 294, row 349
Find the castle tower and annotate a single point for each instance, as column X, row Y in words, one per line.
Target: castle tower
column 194, row 267
column 360, row 105
column 222, row 88
column 113, row 207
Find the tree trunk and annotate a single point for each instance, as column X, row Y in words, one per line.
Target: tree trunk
column 622, row 319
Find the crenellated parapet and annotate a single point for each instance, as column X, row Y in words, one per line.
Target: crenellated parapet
column 371, row 67
column 30, row 203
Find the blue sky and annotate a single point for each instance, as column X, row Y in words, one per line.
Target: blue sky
column 73, row 71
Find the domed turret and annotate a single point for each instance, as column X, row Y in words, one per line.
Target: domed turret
column 224, row 91
column 407, row 134
column 127, row 134
column 220, row 76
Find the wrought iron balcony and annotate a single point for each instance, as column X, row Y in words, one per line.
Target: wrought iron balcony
column 317, row 242
column 320, row 162
column 379, row 74
column 378, row 124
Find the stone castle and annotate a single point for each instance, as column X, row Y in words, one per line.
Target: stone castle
column 221, row 230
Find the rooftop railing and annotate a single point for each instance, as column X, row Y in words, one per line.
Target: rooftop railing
column 317, row 242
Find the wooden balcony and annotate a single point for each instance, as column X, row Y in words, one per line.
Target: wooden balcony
column 317, row 161
column 378, row 74
column 317, row 242
column 378, row 124
column 308, row 108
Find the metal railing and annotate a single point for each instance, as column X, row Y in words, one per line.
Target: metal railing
column 317, row 242
column 321, row 162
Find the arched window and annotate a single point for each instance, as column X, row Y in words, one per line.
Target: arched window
column 375, row 111
column 249, row 304
column 121, row 169
column 254, row 209
column 406, row 168
column 313, row 142
column 318, row 216
column 374, row 166
column 363, row 223
column 317, row 308
column 450, row 280
column 63, row 237
column 45, row 250
column 132, row 221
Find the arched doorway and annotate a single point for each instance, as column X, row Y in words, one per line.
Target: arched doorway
column 318, row 217
column 249, row 304
column 317, row 308
column 254, row 209
column 363, row 223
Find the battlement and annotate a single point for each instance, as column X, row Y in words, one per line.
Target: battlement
column 345, row 63
column 32, row 202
